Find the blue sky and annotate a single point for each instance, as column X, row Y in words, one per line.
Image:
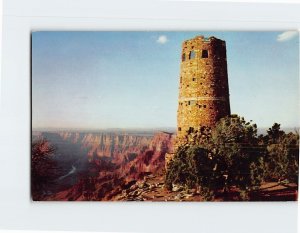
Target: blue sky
column 96, row 80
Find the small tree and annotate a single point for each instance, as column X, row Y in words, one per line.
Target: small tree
column 182, row 169
column 235, row 141
column 43, row 167
column 217, row 159
column 282, row 160
column 274, row 134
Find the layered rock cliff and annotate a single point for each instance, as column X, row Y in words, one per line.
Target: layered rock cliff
column 112, row 161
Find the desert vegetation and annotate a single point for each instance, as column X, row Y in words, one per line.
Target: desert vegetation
column 44, row 169
column 232, row 157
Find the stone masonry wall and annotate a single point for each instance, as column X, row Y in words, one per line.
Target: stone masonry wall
column 203, row 90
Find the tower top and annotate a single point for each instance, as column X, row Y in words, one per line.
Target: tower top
column 203, row 39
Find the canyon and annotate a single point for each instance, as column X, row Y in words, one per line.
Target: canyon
column 100, row 165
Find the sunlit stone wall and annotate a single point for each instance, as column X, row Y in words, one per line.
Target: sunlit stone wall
column 203, row 88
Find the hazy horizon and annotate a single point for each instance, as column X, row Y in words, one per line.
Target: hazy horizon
column 260, row 130
column 130, row 80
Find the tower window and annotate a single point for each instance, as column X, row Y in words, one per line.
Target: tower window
column 192, row 54
column 204, row 106
column 204, row 54
column 191, row 129
column 183, row 57
column 194, row 79
column 180, row 79
column 179, row 128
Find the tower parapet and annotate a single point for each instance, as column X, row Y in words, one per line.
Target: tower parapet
column 203, row 88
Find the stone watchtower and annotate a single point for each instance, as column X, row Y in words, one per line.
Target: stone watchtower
column 203, row 91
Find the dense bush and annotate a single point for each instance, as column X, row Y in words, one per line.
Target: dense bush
column 282, row 159
column 232, row 155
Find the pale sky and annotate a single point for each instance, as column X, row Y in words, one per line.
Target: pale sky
column 97, row 80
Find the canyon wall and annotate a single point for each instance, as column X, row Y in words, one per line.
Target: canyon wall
column 108, row 159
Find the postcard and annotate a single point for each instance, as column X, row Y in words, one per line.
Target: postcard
column 165, row 116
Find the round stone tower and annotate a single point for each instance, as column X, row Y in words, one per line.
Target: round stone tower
column 203, row 91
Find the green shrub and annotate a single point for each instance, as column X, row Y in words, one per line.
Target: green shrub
column 282, row 159
column 232, row 155
column 227, row 156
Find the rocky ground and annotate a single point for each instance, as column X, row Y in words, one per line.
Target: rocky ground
column 151, row 188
